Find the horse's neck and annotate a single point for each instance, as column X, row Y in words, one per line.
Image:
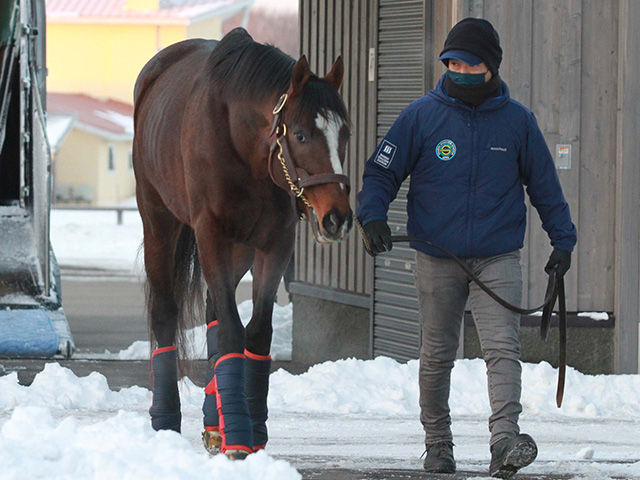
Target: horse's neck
column 249, row 128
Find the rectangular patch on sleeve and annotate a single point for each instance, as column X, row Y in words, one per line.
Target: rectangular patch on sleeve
column 385, row 154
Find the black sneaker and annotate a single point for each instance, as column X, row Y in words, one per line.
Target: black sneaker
column 511, row 454
column 440, row 458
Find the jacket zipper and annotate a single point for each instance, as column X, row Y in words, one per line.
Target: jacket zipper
column 472, row 124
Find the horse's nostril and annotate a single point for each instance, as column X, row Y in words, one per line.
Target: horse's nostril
column 336, row 224
column 331, row 222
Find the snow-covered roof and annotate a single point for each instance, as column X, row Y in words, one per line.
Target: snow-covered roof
column 175, row 12
column 109, row 119
column 58, row 126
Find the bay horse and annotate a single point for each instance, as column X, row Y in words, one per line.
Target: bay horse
column 234, row 142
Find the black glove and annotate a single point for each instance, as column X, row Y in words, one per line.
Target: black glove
column 378, row 235
column 561, row 259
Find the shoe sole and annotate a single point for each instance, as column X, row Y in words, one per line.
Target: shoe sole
column 520, row 456
column 441, row 470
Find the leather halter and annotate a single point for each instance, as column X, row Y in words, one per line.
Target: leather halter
column 283, row 170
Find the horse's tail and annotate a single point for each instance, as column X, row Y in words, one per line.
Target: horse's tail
column 188, row 292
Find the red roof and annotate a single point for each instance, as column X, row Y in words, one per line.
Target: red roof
column 104, row 117
column 116, row 11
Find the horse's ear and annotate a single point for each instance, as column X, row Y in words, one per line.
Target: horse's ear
column 334, row 77
column 300, row 75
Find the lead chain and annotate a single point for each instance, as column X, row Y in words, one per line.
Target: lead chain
column 298, row 191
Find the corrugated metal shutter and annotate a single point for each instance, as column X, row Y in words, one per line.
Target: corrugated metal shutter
column 401, row 79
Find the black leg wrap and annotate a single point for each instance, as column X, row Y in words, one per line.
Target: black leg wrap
column 257, row 368
column 210, row 405
column 165, row 409
column 235, row 421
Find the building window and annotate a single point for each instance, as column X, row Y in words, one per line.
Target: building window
column 112, row 159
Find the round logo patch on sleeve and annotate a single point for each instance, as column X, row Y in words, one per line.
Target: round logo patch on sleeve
column 446, row 150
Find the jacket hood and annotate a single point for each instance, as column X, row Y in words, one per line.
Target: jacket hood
column 440, row 94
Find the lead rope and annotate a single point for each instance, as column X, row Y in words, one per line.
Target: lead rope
column 365, row 241
column 555, row 289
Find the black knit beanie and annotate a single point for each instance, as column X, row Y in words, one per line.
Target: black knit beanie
column 477, row 36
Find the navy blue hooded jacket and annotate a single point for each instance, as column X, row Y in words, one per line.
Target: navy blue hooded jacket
column 468, row 167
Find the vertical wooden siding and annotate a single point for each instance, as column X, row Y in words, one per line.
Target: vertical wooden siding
column 574, row 63
column 330, row 28
column 560, row 60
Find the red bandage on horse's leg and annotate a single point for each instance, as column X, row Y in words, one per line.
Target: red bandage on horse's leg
column 258, row 368
column 165, row 407
column 210, row 405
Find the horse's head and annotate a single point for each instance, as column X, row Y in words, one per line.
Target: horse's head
column 315, row 129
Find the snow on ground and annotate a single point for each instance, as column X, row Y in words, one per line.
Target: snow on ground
column 93, row 239
column 347, row 414
column 64, row 426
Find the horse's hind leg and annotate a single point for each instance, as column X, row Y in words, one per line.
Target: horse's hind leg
column 211, row 435
column 160, row 235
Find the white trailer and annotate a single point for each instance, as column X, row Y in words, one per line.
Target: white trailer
column 32, row 320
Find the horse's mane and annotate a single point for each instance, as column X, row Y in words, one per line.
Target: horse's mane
column 243, row 68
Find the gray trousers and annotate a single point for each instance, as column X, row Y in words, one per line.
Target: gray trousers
column 443, row 290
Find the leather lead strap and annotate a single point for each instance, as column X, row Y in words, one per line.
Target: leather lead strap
column 549, row 295
column 562, row 361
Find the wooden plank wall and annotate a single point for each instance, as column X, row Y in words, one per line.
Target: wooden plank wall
column 329, row 28
column 560, row 60
column 575, row 63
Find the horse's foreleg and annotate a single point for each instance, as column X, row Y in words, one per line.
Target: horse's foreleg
column 229, row 370
column 258, row 368
column 242, row 259
column 267, row 274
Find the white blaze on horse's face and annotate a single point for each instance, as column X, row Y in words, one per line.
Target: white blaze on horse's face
column 331, row 130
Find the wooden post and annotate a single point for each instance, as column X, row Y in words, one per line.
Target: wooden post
column 627, row 297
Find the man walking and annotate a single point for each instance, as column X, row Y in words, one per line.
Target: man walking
column 471, row 151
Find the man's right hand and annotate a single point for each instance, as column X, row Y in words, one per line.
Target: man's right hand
column 378, row 234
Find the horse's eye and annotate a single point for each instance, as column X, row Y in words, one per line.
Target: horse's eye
column 300, row 137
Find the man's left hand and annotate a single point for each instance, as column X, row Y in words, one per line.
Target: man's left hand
column 561, row 259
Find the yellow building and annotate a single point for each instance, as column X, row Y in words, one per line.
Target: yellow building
column 95, row 51
column 98, row 47
column 91, row 144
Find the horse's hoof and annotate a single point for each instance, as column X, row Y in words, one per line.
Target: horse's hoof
column 212, row 441
column 236, row 454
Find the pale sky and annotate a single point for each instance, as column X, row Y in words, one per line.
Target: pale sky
column 277, row 5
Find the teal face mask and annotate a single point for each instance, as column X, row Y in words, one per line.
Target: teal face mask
column 467, row 78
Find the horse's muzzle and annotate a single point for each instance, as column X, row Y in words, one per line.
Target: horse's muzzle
column 336, row 225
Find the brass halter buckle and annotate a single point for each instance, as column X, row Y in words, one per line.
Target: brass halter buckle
column 280, row 105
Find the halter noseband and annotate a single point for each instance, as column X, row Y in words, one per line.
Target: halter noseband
column 290, row 177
